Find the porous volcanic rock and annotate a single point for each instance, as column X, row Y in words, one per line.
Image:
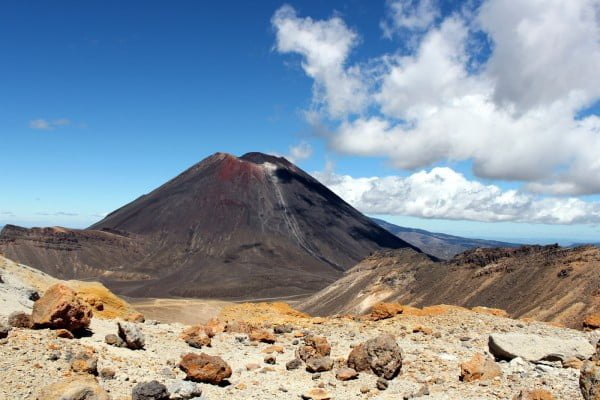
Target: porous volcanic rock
column 380, row 355
column 60, row 307
column 20, row 319
column 196, row 336
column 204, row 368
column 385, row 310
column 131, row 335
column 314, row 346
column 152, row 390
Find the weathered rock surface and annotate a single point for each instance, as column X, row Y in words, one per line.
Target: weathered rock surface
column 479, row 368
column 204, row 368
column 538, row 348
column 385, row 310
column 380, row 355
column 346, row 374
column 314, row 346
column 196, row 336
column 592, row 321
column 20, row 319
column 152, row 390
column 75, row 388
column 85, row 362
column 261, row 335
column 60, row 307
column 589, row 380
column 131, row 335
column 319, row 364
column 114, row 340
column 184, row 390
column 535, row 394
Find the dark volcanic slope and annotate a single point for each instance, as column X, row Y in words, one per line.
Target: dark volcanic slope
column 543, row 282
column 441, row 245
column 249, row 227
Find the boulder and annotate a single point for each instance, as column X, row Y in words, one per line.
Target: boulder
column 196, row 336
column 533, row 348
column 589, row 380
column 131, row 335
column 261, row 335
column 314, row 346
column 84, row 387
column 385, row 310
column 346, row 374
column 19, row 319
column 152, row 390
column 204, row 368
column 591, row 321
column 184, row 390
column 380, row 355
column 60, row 308
column 319, row 364
column 535, row 394
column 85, row 362
column 479, row 368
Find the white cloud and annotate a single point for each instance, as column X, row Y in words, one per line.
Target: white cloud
column 444, row 193
column 409, row 15
column 44, row 124
column 325, row 46
column 299, row 152
column 513, row 117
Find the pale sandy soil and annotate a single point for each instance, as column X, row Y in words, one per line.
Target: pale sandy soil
column 184, row 311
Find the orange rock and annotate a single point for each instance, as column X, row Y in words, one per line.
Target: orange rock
column 261, row 335
column 536, row 394
column 479, row 367
column 64, row 334
column 316, row 394
column 196, row 336
column 239, row 327
column 215, row 326
column 422, row 329
column 591, row 321
column 135, row 317
column 273, row 349
column 60, row 307
column 385, row 310
column 204, row 368
column 345, row 374
column 314, row 346
column 498, row 312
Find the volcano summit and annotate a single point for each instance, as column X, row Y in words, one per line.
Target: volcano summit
column 244, row 228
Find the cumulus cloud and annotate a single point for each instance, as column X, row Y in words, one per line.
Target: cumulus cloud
column 445, row 193
column 409, row 15
column 324, row 46
column 44, row 124
column 299, row 152
column 513, row 116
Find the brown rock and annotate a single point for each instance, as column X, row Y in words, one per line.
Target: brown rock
column 572, row 362
column 589, row 380
column 64, row 334
column 85, row 362
column 261, row 335
column 19, row 319
column 107, row 373
column 74, row 388
column 536, row 394
column 215, row 326
column 319, row 364
column 479, row 368
column 135, row 317
column 316, row 394
column 591, row 321
column 273, row 349
column 384, row 311
column 314, row 346
column 196, row 336
column 252, row 366
column 346, row 374
column 204, row 368
column 239, row 327
column 60, row 307
column 380, row 355
column 422, row 329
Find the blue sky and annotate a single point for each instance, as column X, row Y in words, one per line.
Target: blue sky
column 103, row 101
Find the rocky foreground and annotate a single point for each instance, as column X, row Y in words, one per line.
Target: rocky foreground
column 60, row 346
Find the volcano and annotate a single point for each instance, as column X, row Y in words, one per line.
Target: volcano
column 248, row 227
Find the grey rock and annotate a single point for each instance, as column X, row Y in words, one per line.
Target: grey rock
column 131, row 335
column 279, row 329
column 382, row 384
column 184, row 390
column 319, row 364
column 294, row 364
column 114, row 340
column 536, row 348
column 4, row 331
column 152, row 390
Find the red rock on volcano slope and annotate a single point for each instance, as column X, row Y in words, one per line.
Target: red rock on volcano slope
column 228, row 227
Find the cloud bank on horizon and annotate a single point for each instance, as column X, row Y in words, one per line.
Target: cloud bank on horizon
column 501, row 85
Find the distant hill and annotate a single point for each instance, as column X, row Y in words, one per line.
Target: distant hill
column 549, row 283
column 247, row 227
column 440, row 245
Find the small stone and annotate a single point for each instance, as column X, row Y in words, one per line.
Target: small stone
column 252, row 366
column 184, row 390
column 319, row 364
column 382, row 384
column 293, row 364
column 295, row 342
column 19, row 319
column 261, row 335
column 196, row 336
column 114, row 340
column 280, row 329
column 107, row 373
column 64, row 334
column 131, row 335
column 270, row 359
column 316, row 376
column 316, row 394
column 85, row 361
column 152, row 390
column 364, row 389
column 135, row 317
column 346, row 374
column 273, row 349
column 33, row 295
column 53, row 356
column 4, row 330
